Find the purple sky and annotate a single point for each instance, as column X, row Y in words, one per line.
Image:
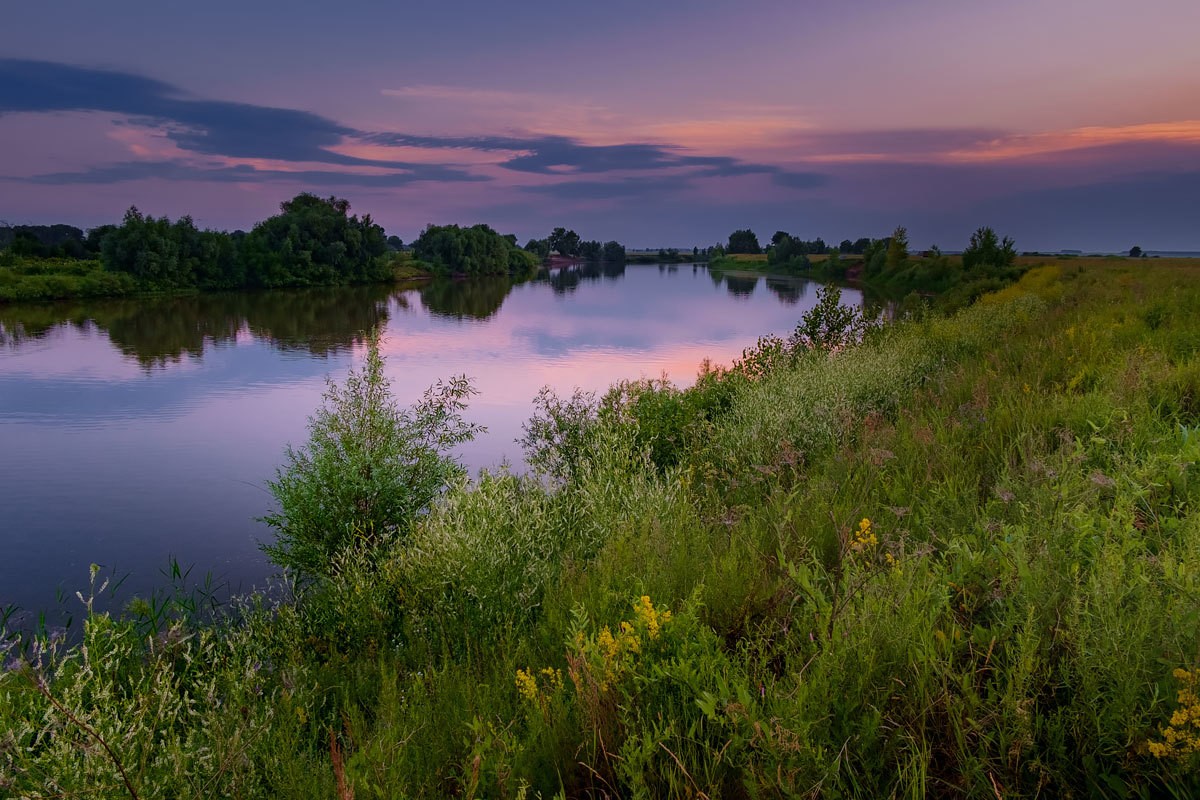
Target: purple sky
column 1064, row 123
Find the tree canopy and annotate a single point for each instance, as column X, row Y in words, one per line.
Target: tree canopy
column 477, row 250
column 313, row 241
column 743, row 241
column 986, row 249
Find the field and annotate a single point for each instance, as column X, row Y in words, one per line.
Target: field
column 957, row 558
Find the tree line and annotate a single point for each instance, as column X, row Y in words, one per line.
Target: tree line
column 313, row 241
column 569, row 244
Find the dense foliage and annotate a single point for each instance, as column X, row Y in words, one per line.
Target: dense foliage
column 567, row 243
column 743, row 241
column 311, row 242
column 368, row 469
column 477, row 250
column 986, row 250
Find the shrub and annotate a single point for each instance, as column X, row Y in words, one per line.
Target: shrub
column 368, row 469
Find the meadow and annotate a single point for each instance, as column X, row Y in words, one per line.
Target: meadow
column 950, row 556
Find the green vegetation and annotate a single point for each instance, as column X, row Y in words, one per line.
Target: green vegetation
column 23, row 278
column 743, row 241
column 887, row 267
column 951, row 556
column 566, row 243
column 368, row 470
column 311, row 242
column 474, row 251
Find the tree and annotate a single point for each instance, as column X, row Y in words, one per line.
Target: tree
column 829, row 325
column 395, row 243
column 743, row 241
column 1135, row 252
column 614, row 253
column 986, row 250
column 779, row 237
column 315, row 241
column 368, row 470
column 897, row 251
column 477, row 250
column 564, row 242
column 539, row 247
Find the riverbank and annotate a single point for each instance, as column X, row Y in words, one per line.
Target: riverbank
column 25, row 279
column 959, row 558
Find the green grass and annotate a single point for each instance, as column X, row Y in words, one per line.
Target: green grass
column 1007, row 624
column 28, row 279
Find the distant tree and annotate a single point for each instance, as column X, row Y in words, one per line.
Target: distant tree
column 779, row 237
column 564, row 242
column 897, row 251
column 591, row 250
column 145, row 248
column 614, row 253
column 27, row 245
column 833, row 266
column 846, row 246
column 789, row 253
column 743, row 241
column 315, row 241
column 860, row 246
column 986, row 249
column 95, row 238
column 539, row 247
column 875, row 255
column 395, row 243
column 1135, row 252
column 477, row 250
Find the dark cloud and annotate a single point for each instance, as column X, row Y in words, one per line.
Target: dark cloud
column 210, row 127
column 175, row 171
column 561, row 155
column 243, row 130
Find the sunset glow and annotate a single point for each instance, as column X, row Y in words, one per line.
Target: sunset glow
column 653, row 128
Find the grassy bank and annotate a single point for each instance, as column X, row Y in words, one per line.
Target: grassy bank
column 25, row 279
column 961, row 558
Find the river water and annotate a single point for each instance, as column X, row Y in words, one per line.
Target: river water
column 137, row 432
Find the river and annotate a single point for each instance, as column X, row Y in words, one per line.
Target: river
column 137, row 432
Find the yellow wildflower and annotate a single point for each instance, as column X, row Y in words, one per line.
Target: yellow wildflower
column 527, row 686
column 1181, row 737
column 864, row 537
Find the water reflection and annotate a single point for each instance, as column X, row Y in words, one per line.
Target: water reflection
column 741, row 285
column 470, row 299
column 568, row 279
column 789, row 290
column 157, row 331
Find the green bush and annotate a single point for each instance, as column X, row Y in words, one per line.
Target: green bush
column 368, row 470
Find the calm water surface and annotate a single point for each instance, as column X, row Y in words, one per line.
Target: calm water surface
column 136, row 431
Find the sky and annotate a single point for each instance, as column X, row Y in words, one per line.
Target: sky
column 1062, row 123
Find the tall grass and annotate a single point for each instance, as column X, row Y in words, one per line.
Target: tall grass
column 960, row 558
